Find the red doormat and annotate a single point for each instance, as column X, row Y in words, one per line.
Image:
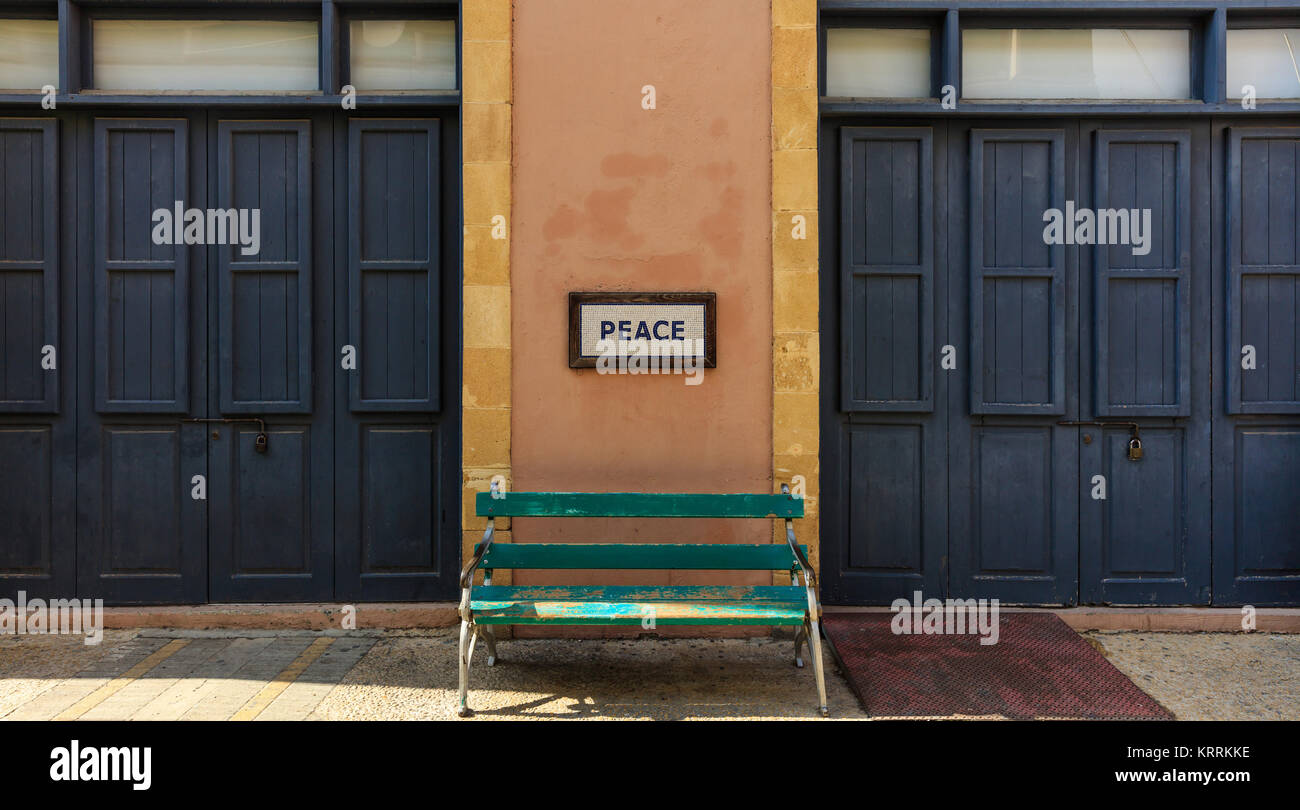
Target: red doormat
column 1038, row 669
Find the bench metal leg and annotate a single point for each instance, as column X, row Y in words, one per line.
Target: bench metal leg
column 815, row 649
column 800, row 636
column 466, row 650
column 489, row 638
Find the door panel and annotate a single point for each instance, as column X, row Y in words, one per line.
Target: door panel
column 1018, row 510
column 1013, row 472
column 1017, row 293
column 888, row 274
column 1264, row 269
column 1266, row 458
column 1148, row 541
column 29, row 263
column 141, row 531
column 891, row 447
column 37, row 428
column 887, row 505
column 265, row 300
column 398, row 531
column 1142, row 301
column 1257, row 440
column 142, row 308
column 272, row 536
column 393, row 263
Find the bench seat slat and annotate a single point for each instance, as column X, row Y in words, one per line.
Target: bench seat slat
column 780, row 594
column 638, row 504
column 633, row 613
column 666, row 556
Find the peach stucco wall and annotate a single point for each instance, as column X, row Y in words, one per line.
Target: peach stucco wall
column 610, row 196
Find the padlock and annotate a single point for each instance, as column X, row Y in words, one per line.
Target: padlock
column 259, row 443
column 1135, row 449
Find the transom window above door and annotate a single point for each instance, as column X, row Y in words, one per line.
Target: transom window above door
column 1032, row 56
column 388, row 55
column 878, row 62
column 1265, row 59
column 29, row 54
column 1076, row 63
column 206, row 55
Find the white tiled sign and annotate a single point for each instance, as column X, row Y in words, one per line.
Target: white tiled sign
column 679, row 329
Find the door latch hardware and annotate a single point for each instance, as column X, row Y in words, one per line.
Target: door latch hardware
column 1134, row 442
column 1135, row 448
column 260, row 442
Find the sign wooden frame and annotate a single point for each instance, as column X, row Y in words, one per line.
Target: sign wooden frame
column 577, row 299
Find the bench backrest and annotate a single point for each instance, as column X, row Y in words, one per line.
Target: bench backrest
column 696, row 556
column 637, row 504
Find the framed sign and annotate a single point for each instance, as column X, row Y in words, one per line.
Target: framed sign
column 667, row 326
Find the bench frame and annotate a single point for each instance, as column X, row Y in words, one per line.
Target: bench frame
column 470, row 632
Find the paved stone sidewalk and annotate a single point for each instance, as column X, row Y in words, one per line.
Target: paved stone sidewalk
column 295, row 675
column 154, row 675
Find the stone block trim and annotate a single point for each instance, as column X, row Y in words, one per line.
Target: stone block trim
column 795, row 356
column 487, row 152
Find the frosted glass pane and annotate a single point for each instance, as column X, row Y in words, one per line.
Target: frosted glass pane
column 1266, row 58
column 29, row 54
column 878, row 62
column 403, row 54
column 1076, row 63
column 272, row 55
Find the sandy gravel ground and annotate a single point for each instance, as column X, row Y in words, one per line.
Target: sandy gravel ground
column 415, row 677
column 411, row 675
column 1212, row 676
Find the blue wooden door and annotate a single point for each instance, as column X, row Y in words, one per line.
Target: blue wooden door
column 1181, row 334
column 202, row 420
column 1145, row 355
column 1257, row 414
column 270, row 329
column 886, row 472
column 141, row 524
column 397, row 427
column 1013, row 470
column 955, row 356
column 37, row 335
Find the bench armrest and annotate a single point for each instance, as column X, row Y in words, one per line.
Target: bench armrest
column 810, row 576
column 467, row 575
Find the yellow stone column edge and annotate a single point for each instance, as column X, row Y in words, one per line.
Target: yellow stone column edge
column 795, row 347
column 487, row 85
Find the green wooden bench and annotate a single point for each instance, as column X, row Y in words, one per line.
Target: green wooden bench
column 484, row 606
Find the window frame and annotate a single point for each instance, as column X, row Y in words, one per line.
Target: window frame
column 1207, row 20
column 932, row 23
column 1253, row 22
column 76, row 87
column 9, row 12
column 1195, row 49
column 385, row 11
column 195, row 15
